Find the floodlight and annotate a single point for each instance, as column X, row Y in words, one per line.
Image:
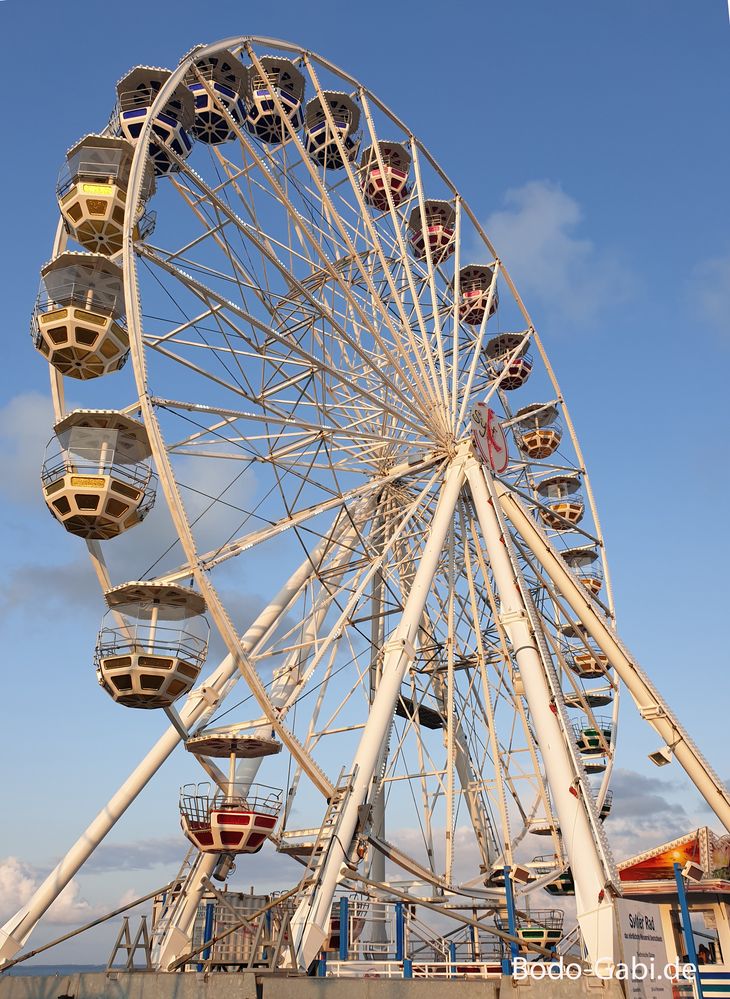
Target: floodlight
column 520, row 875
column 225, row 866
column 692, row 871
column 660, row 757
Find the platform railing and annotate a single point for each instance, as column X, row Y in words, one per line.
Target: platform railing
column 95, row 172
column 603, row 724
column 444, row 970
column 197, row 801
column 84, row 296
column 530, row 424
column 504, row 360
column 161, row 640
column 136, row 474
column 551, row 501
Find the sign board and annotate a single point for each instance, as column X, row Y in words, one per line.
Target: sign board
column 642, row 949
column 489, row 438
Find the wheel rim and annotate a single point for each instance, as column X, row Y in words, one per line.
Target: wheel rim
column 395, row 370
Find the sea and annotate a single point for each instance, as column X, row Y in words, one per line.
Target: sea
column 53, row 969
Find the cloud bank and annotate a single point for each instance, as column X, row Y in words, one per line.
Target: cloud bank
column 26, row 424
column 18, row 882
column 710, row 289
column 569, row 280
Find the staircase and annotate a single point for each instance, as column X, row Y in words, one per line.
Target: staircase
column 328, row 832
column 165, row 909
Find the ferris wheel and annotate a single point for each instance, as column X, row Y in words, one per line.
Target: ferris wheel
column 336, row 400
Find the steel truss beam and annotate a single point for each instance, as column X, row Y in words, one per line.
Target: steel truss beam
column 652, row 707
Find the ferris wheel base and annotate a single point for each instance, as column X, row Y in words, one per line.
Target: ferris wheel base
column 176, row 944
column 598, row 933
column 249, row 985
column 9, row 947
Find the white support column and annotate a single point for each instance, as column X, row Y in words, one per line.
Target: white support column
column 200, row 704
column 379, row 927
column 652, row 707
column 310, row 923
column 593, row 900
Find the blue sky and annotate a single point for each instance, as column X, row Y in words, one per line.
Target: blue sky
column 592, row 140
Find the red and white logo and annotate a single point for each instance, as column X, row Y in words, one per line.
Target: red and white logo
column 489, row 437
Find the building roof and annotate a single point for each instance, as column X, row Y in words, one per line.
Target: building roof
column 652, row 872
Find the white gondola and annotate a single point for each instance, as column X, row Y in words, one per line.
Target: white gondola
column 237, row 816
column 587, row 663
column 152, row 643
column 391, row 178
column 320, row 137
column 78, row 322
column 171, row 125
column 276, row 79
column 217, row 84
column 96, row 479
column 431, row 230
column 562, row 504
column 475, row 283
column 507, row 351
column 582, row 560
column 541, row 928
column 537, row 430
column 92, row 193
column 593, row 738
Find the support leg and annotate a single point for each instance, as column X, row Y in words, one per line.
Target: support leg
column 652, row 707
column 379, row 930
column 566, row 778
column 311, row 919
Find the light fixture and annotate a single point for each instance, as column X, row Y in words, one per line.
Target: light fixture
column 520, row 875
column 224, row 867
column 692, row 871
column 660, row 757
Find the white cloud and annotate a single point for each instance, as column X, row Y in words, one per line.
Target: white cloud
column 139, row 856
column 566, row 278
column 646, row 812
column 710, row 287
column 26, row 424
column 18, row 882
column 70, row 909
column 26, row 587
column 129, row 896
